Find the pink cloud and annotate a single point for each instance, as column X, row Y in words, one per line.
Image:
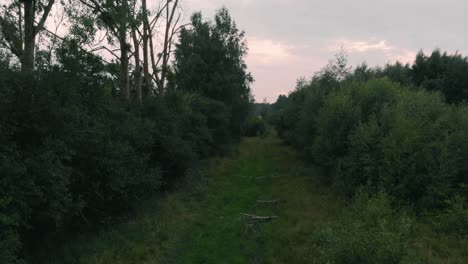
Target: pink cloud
column 392, row 53
column 360, row 45
column 264, row 51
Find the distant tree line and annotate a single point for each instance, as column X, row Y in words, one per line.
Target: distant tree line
column 443, row 72
column 83, row 139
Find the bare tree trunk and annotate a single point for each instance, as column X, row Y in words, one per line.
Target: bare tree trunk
column 167, row 38
column 20, row 22
column 147, row 77
column 124, row 75
column 27, row 60
column 153, row 59
column 137, row 73
column 124, row 61
column 30, row 32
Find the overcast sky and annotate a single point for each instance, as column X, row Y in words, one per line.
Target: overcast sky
column 290, row 39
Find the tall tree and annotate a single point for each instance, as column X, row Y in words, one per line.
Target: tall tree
column 137, row 72
column 160, row 64
column 126, row 20
column 210, row 59
column 447, row 73
column 145, row 39
column 19, row 29
column 168, row 35
column 114, row 16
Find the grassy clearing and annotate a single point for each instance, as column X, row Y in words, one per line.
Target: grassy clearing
column 201, row 222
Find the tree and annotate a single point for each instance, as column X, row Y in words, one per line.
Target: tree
column 442, row 72
column 114, row 17
column 145, row 39
column 171, row 28
column 130, row 19
column 19, row 29
column 209, row 59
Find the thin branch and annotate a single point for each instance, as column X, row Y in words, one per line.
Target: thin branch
column 97, row 8
column 175, row 29
column 100, row 40
column 81, row 48
column 107, row 49
column 62, row 18
column 157, row 16
column 181, row 26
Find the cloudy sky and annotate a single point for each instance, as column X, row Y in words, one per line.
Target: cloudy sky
column 288, row 39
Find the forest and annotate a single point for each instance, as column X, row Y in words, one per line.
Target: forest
column 110, row 108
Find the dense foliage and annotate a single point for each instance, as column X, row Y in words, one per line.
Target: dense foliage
column 75, row 155
column 256, row 126
column 378, row 133
column 370, row 232
column 438, row 71
column 208, row 59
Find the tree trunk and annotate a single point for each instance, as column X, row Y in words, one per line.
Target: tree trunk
column 124, row 73
column 167, row 39
column 137, row 73
column 146, row 74
column 153, row 59
column 20, row 22
column 27, row 60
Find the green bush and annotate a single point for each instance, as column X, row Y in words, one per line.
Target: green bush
column 370, row 232
column 72, row 156
column 335, row 120
column 341, row 113
column 255, row 126
column 9, row 245
column 454, row 219
column 379, row 134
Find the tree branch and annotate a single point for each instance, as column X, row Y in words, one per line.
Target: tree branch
column 47, row 9
column 112, row 52
column 81, row 48
column 157, row 16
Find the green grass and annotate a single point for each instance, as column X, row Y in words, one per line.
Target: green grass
column 440, row 248
column 201, row 221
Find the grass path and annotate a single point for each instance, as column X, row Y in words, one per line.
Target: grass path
column 201, row 223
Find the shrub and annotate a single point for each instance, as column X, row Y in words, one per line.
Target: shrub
column 72, row 156
column 370, row 232
column 379, row 134
column 403, row 147
column 255, row 126
column 454, row 219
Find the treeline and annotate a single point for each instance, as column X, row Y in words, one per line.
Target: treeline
column 77, row 149
column 394, row 142
column 438, row 71
column 401, row 129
